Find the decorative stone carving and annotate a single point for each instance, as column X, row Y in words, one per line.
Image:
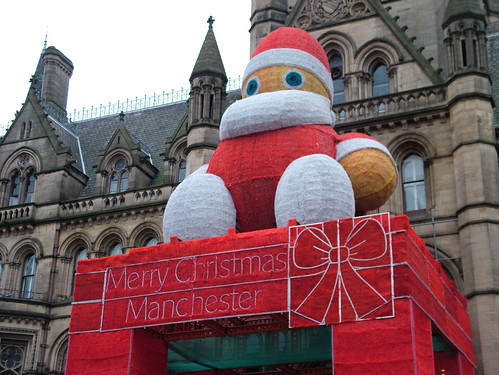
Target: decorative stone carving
column 324, row 11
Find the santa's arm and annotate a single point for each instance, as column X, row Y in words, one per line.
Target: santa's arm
column 371, row 169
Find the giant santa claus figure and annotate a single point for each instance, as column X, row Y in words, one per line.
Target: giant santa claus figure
column 279, row 157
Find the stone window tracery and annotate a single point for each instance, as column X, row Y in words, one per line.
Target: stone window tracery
column 11, row 359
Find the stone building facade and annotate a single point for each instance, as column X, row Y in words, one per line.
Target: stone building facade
column 420, row 76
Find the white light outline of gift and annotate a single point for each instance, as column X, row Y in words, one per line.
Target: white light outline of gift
column 339, row 283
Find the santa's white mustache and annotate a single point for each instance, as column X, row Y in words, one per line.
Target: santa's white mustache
column 275, row 110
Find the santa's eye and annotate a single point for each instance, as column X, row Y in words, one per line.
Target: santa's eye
column 252, row 86
column 293, row 79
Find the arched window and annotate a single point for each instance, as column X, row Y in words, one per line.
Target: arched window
column 181, row 170
column 151, row 241
column 336, row 64
column 82, row 253
column 116, row 249
column 15, row 188
column 118, row 181
column 1, row 267
column 61, row 357
column 124, row 181
column 29, row 188
column 28, row 278
column 22, row 183
column 413, row 183
column 380, row 80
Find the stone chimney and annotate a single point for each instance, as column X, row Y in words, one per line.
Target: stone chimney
column 57, row 70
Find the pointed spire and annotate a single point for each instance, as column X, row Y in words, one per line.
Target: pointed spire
column 209, row 60
column 37, row 77
column 45, row 41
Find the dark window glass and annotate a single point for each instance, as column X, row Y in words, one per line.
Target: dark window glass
column 336, row 64
column 30, row 187
column 124, row 181
column 15, row 187
column 82, row 253
column 119, row 178
column 28, row 280
column 113, row 187
column 181, row 170
column 151, row 241
column 116, row 249
column 413, row 183
column 380, row 81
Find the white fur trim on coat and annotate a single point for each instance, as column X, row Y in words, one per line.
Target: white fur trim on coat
column 275, row 110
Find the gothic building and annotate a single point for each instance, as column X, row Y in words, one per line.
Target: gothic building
column 421, row 76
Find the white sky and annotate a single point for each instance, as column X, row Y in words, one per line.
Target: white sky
column 120, row 49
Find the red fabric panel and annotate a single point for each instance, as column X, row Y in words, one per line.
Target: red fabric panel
column 407, row 284
column 120, row 352
column 148, row 354
column 85, row 317
column 447, row 363
column 340, row 271
column 465, row 366
column 251, row 167
column 401, row 345
column 88, row 286
column 98, row 353
column 420, row 287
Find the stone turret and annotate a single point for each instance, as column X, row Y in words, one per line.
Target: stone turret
column 266, row 16
column 208, row 90
column 465, row 29
column 475, row 169
column 57, row 70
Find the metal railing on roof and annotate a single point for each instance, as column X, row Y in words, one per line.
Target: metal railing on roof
column 139, row 103
column 130, row 105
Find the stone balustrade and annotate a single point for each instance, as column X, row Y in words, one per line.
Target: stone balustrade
column 396, row 103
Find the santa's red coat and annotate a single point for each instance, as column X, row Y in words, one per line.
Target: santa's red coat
column 251, row 167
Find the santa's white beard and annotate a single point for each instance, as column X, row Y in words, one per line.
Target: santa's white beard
column 275, row 110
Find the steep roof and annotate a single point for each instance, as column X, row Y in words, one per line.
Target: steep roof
column 149, row 127
column 209, row 60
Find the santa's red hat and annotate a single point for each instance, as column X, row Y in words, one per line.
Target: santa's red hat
column 292, row 47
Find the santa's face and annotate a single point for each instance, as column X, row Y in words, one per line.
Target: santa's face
column 276, row 97
column 281, row 77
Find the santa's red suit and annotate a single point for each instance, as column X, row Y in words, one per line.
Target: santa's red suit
column 279, row 157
